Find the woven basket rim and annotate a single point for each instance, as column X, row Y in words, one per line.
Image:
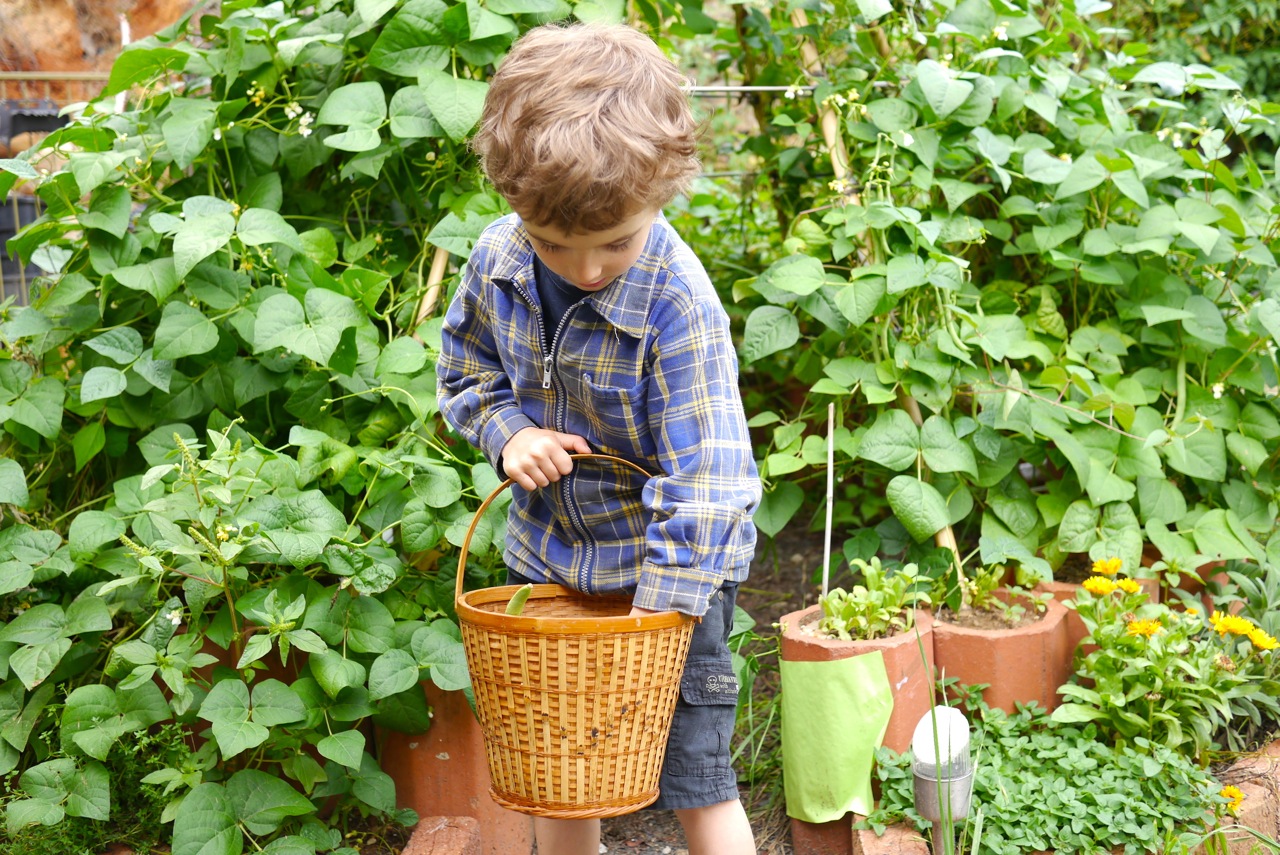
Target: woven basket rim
column 469, row 612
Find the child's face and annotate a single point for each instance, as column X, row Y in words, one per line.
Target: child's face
column 591, row 260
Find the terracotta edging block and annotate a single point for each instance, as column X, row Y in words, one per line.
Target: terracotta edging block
column 445, row 835
column 897, row 840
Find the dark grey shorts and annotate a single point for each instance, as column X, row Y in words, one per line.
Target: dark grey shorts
column 698, row 771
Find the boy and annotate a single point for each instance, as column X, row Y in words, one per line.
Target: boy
column 583, row 323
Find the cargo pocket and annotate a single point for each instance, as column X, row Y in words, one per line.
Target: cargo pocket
column 702, row 729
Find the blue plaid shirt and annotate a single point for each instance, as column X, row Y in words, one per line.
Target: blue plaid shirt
column 643, row 369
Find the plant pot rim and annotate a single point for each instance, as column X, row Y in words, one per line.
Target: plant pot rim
column 792, row 624
column 1054, row 614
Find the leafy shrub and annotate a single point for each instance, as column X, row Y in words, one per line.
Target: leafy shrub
column 884, row 604
column 227, row 499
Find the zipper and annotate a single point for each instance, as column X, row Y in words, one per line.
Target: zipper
column 559, row 407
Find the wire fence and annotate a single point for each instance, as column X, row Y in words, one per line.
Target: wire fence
column 30, row 106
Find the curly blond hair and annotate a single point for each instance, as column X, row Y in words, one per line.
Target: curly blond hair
column 585, row 126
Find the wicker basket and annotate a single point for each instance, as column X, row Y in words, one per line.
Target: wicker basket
column 574, row 697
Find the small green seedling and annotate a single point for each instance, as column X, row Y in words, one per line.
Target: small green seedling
column 519, row 598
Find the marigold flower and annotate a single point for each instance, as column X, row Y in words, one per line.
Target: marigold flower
column 1099, row 586
column 1193, row 613
column 1129, row 586
column 1108, row 566
column 1236, row 797
column 1262, row 640
column 1144, row 628
column 1230, row 624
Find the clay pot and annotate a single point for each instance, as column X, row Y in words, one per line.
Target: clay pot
column 908, row 673
column 1063, row 591
column 443, row 772
column 1022, row 664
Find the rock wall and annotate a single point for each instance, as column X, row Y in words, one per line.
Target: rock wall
column 76, row 35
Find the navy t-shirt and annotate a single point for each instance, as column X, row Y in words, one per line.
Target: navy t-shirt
column 556, row 295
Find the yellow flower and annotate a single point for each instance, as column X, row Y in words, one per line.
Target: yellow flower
column 1236, row 797
column 1099, row 586
column 1108, row 566
column 1230, row 624
column 1143, row 628
column 1193, row 613
column 1129, row 586
column 1262, row 640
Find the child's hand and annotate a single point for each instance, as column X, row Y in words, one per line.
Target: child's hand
column 536, row 457
column 636, row 611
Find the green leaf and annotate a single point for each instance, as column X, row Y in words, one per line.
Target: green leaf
column 184, row 331
column 1085, row 174
column 121, row 345
column 314, row 331
column 918, row 506
column 944, row 93
column 777, row 507
column 412, row 41
column 189, row 128
column 334, row 672
column 13, row 483
column 1203, row 454
column 410, row 116
column 943, row 451
column 102, row 382
column 138, row 65
column 769, row 329
column 158, row 277
column 87, row 442
column 402, row 355
column 274, row 704
column 357, row 105
column 892, row 114
column 857, row 301
column 435, row 648
column 200, row 236
column 90, row 531
column 391, row 673
column 438, row 485
column 206, row 824
column 892, row 441
column 298, row 526
column 1206, row 322
column 345, row 748
column 797, row 274
column 1043, row 168
column 258, row 226
column 458, row 234
column 263, row 802
column 905, row 272
column 109, row 211
column 373, row 786
column 455, row 103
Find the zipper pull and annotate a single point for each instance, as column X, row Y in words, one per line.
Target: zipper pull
column 546, row 372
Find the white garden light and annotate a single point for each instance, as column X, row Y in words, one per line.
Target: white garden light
column 943, row 771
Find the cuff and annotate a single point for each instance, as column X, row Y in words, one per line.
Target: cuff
column 689, row 592
column 503, row 425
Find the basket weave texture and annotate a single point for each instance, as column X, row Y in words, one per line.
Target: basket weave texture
column 574, row 697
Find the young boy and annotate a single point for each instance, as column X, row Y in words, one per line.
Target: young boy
column 583, row 323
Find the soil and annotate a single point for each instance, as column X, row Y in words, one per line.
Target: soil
column 987, row 619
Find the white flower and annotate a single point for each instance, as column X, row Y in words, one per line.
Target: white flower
column 1001, row 31
column 1163, row 134
column 217, row 133
column 1218, row 389
column 305, row 131
column 293, row 110
column 1065, row 157
column 907, row 139
column 791, row 93
column 1177, row 140
column 307, row 119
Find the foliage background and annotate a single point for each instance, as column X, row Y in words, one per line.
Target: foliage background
column 1026, row 250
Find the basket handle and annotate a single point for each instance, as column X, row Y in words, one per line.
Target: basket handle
column 466, row 541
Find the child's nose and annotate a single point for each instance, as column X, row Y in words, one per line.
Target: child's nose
column 589, row 270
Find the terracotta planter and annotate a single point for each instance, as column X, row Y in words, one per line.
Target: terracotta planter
column 1063, row 591
column 908, row 673
column 443, row 772
column 1026, row 663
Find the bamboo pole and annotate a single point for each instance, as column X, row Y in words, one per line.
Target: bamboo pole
column 431, row 299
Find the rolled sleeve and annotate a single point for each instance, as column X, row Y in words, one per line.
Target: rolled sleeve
column 701, row 532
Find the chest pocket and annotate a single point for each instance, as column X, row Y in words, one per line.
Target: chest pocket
column 619, row 417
